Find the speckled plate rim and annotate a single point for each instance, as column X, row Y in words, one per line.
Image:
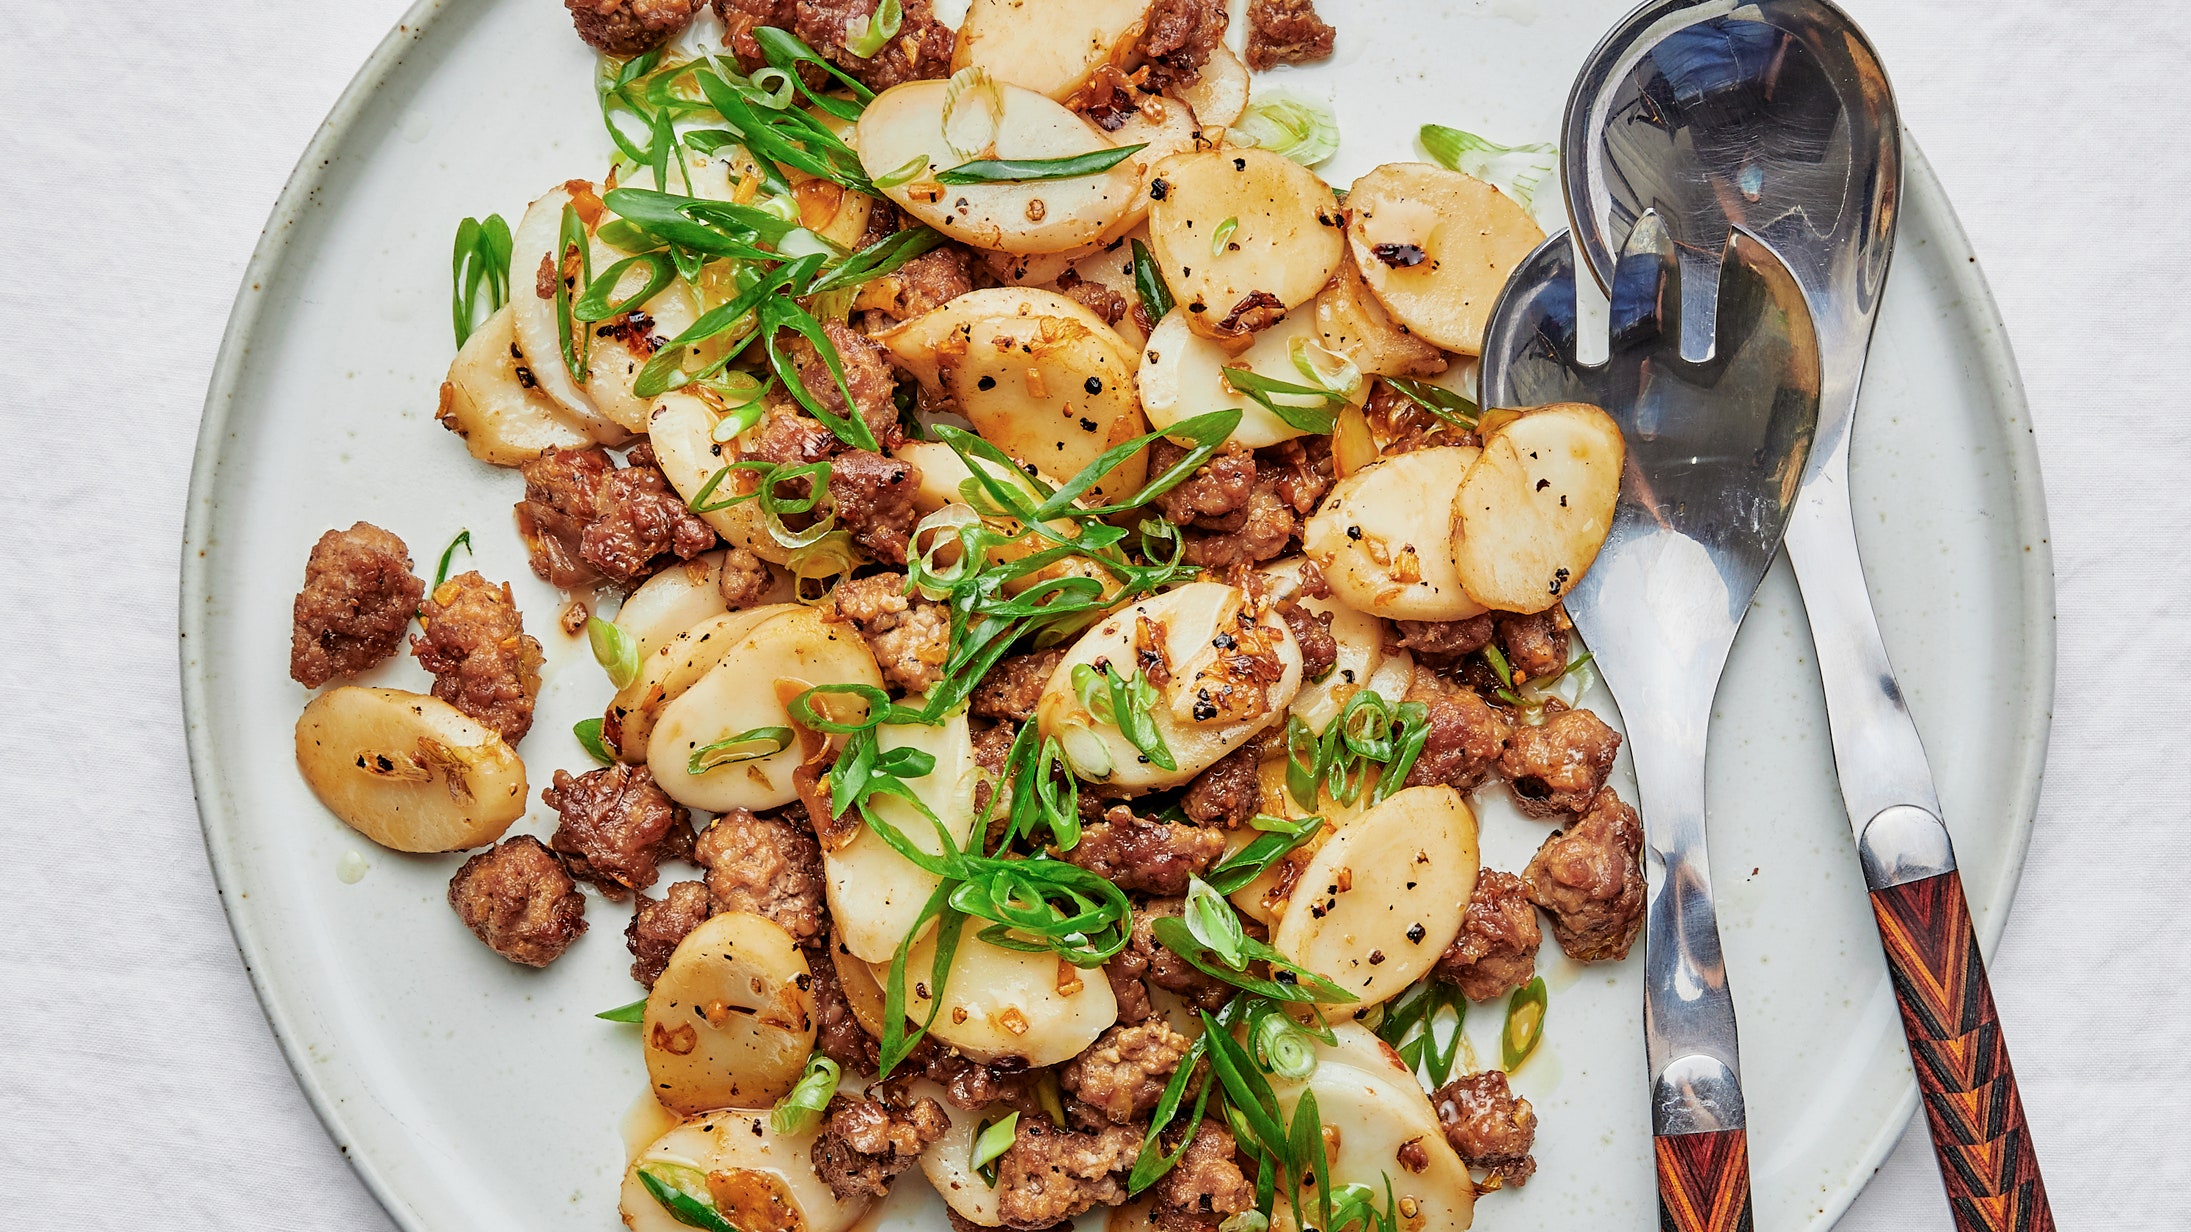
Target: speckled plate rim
column 219, row 822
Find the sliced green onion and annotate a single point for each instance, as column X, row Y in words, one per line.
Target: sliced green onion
column 1285, row 1048
column 1289, row 125
column 991, row 1141
column 682, row 1206
column 801, row 1109
column 772, row 88
column 482, row 259
column 1516, row 170
column 1149, row 285
column 967, row 140
column 750, row 745
column 1304, row 761
column 595, row 304
column 905, row 173
column 1410, row 1026
column 463, row 540
column 739, row 419
column 879, row 709
column 1021, row 170
column 1335, row 374
column 588, row 732
column 576, row 343
column 1524, row 1027
column 1438, row 400
column 1264, row 392
column 1250, row 1220
column 634, row 1012
column 1093, row 688
column 1212, row 921
column 1289, row 981
column 1279, row 838
column 1222, row 236
column 1133, row 704
column 830, row 556
column 882, row 26
column 615, row 650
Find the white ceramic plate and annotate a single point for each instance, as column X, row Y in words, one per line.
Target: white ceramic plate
column 476, row 1095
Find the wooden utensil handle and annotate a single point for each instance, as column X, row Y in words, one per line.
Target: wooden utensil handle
column 1971, row 1103
column 1704, row 1182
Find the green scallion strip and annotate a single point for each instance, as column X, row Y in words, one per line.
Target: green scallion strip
column 1265, row 391
column 572, row 240
column 463, row 540
column 1525, row 1011
column 1279, row 839
column 991, row 1141
column 1289, row 982
column 588, row 732
column 615, row 650
column 1223, row 236
column 750, row 745
column 1156, row 296
column 1438, row 400
column 634, row 1012
column 481, row 260
column 594, row 304
column 1020, row 170
column 683, row 1207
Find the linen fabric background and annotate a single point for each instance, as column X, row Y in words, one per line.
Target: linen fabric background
column 144, row 145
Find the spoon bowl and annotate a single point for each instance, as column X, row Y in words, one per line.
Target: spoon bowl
column 1772, row 116
column 1715, row 455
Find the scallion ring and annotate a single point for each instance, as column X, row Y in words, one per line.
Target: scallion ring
column 991, row 1141
column 1285, row 1048
column 1524, row 1024
column 801, row 1109
column 615, row 650
column 882, row 26
column 1223, row 236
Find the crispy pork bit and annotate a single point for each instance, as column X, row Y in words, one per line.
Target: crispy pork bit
column 866, row 1141
column 910, row 636
column 1146, row 855
column 516, row 897
column 1590, row 881
column 476, row 646
column 658, row 924
column 768, row 866
column 1049, row 1174
column 628, row 27
column 1205, row 1187
column 1559, row 765
column 617, row 826
column 1286, row 32
column 1489, row 1126
column 1121, row 1076
column 1497, row 949
column 358, row 598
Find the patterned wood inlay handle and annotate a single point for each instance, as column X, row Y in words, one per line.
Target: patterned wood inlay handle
column 1963, row 1072
column 1704, row 1182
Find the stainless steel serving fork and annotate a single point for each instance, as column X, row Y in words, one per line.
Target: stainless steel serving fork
column 1715, row 449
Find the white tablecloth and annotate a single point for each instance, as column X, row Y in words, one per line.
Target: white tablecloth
column 143, row 145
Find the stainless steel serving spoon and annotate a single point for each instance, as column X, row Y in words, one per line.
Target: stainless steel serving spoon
column 1716, row 447
column 1775, row 116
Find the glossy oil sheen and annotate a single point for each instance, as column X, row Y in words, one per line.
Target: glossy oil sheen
column 479, row 1096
